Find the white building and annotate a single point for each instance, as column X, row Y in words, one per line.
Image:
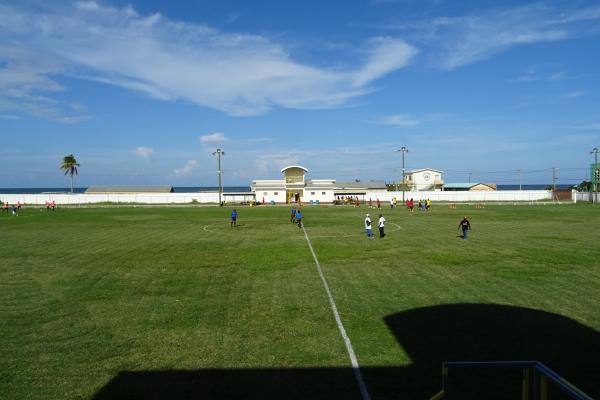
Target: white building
column 296, row 188
column 424, row 179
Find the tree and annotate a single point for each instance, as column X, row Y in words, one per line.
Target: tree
column 584, row 186
column 69, row 165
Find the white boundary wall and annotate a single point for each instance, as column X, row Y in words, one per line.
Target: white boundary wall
column 145, row 198
column 587, row 197
column 213, row 197
column 465, row 196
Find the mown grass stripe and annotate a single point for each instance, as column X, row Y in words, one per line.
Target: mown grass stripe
column 353, row 360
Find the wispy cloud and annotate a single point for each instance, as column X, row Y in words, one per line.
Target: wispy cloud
column 592, row 126
column 187, row 169
column 535, row 76
column 212, row 138
column 386, row 54
column 399, row 121
column 143, row 152
column 462, row 40
column 573, row 94
column 239, row 74
column 234, row 16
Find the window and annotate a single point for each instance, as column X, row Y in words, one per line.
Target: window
column 312, row 193
column 276, row 193
column 323, row 193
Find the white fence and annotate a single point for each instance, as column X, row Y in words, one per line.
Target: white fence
column 145, row 198
column 213, row 197
column 465, row 196
column 587, row 197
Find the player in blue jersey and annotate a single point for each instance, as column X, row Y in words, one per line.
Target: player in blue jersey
column 233, row 218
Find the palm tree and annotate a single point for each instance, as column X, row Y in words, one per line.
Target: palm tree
column 69, row 165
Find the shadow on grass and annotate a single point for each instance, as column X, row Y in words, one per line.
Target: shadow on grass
column 429, row 335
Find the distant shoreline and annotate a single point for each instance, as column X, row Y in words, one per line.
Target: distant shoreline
column 229, row 189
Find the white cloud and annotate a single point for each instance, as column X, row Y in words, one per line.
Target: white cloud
column 386, row 55
column 462, row 40
column 573, row 94
column 239, row 74
column 143, row 152
column 399, row 121
column 187, row 169
column 212, row 138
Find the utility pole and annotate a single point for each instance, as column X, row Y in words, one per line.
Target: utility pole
column 520, row 172
column 596, row 175
column 403, row 150
column 554, row 178
column 470, row 177
column 219, row 153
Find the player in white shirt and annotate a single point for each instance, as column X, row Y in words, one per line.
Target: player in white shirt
column 381, row 225
column 369, row 226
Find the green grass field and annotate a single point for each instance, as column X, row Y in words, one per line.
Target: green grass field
column 173, row 303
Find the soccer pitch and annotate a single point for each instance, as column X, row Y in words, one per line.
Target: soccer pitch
column 174, row 303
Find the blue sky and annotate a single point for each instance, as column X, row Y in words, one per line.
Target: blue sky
column 144, row 92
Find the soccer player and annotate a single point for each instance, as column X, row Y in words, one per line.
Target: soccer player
column 381, row 225
column 5, row 207
column 14, row 210
column 299, row 218
column 427, row 204
column 465, row 225
column 369, row 226
column 233, row 218
column 293, row 215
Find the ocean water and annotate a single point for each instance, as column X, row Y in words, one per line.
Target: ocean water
column 189, row 189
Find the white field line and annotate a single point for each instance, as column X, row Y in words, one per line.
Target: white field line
column 353, row 360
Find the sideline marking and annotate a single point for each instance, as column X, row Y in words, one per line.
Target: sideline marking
column 353, row 360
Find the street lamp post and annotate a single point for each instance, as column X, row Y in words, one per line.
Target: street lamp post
column 219, row 153
column 596, row 174
column 403, row 150
column 520, row 172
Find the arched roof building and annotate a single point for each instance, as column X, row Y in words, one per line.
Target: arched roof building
column 295, row 188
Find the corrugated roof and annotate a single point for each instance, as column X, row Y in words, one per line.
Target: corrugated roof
column 130, row 189
column 460, row 185
column 467, row 185
column 361, row 185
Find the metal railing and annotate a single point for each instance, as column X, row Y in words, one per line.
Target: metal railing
column 536, row 377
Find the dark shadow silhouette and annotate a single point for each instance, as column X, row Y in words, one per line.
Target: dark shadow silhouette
column 430, row 336
column 481, row 332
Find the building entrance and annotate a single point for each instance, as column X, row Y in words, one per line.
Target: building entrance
column 294, row 196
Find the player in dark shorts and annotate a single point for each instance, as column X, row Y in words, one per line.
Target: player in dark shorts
column 293, row 216
column 465, row 225
column 233, row 218
column 299, row 218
